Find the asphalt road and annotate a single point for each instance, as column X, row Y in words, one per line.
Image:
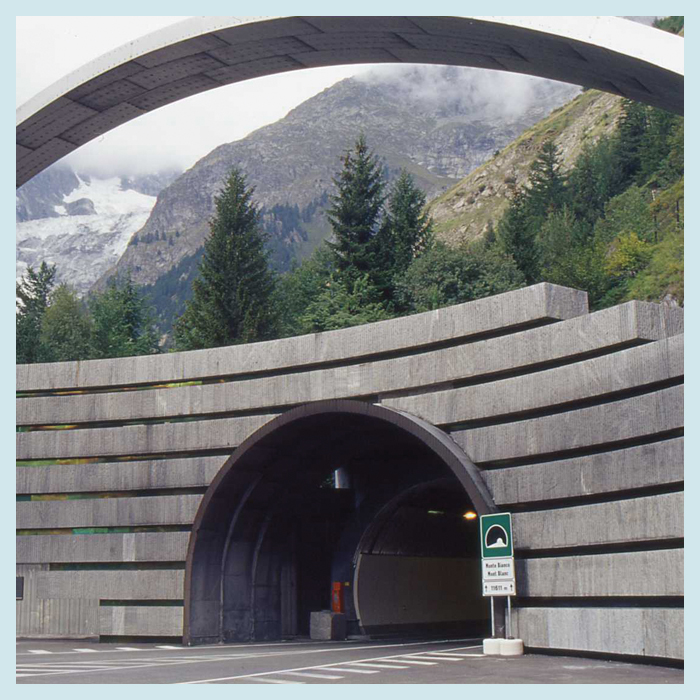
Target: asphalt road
column 305, row 662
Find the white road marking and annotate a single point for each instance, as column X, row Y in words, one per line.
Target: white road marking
column 129, row 649
column 344, row 669
column 169, row 647
column 364, row 664
column 439, row 657
column 327, row 666
column 308, row 674
column 86, row 651
column 277, row 680
column 39, row 651
column 415, row 662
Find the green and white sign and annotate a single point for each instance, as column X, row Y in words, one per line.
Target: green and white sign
column 496, row 536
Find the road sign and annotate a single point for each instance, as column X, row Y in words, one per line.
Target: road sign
column 496, row 536
column 497, row 569
column 492, row 588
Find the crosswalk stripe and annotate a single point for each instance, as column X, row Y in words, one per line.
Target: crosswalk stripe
column 344, row 669
column 307, row 674
column 415, row 662
column 276, row 680
column 39, row 651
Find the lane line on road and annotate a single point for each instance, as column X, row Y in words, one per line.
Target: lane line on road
column 415, row 662
column 344, row 669
column 39, row 651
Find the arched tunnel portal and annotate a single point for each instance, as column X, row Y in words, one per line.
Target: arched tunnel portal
column 275, row 529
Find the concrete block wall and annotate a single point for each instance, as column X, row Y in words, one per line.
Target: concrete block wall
column 575, row 420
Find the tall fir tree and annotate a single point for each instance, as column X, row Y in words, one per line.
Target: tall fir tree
column 232, row 299
column 33, row 294
column 408, row 224
column 355, row 213
column 515, row 237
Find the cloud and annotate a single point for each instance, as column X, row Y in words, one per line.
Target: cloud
column 453, row 90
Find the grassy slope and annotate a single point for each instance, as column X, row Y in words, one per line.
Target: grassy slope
column 463, row 212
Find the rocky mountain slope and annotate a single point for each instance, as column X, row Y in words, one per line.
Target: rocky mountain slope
column 464, row 212
column 80, row 223
column 439, row 123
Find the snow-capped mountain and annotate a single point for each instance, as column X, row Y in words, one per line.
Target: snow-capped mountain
column 81, row 223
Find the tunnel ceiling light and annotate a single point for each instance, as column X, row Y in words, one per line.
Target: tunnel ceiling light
column 469, row 515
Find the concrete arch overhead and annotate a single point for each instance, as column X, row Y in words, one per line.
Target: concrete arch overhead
column 203, row 53
column 240, row 578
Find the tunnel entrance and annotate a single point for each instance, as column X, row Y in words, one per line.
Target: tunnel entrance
column 338, row 492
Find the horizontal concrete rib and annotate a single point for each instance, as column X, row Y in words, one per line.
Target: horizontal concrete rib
column 144, row 621
column 652, row 363
column 119, row 476
column 630, row 520
column 540, row 302
column 627, row 419
column 108, row 512
column 138, row 440
column 653, row 632
column 628, row 323
column 631, row 468
column 112, row 585
column 653, row 573
column 133, row 546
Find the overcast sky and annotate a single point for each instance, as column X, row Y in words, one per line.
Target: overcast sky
column 173, row 136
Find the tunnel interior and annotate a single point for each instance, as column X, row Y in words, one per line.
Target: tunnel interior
column 344, row 498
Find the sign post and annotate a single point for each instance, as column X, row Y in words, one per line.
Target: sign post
column 498, row 576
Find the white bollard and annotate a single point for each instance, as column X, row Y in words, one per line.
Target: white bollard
column 511, row 647
column 492, row 647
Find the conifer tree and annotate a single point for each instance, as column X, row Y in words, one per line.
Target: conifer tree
column 66, row 328
column 123, row 323
column 355, row 213
column 410, row 225
column 232, row 297
column 33, row 294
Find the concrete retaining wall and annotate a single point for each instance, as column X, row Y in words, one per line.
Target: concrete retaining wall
column 574, row 419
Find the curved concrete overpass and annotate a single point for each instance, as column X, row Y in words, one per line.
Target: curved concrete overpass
column 203, row 53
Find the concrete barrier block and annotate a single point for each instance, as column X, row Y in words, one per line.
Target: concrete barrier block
column 328, row 626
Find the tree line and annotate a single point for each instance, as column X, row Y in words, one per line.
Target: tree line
column 612, row 225
column 52, row 324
